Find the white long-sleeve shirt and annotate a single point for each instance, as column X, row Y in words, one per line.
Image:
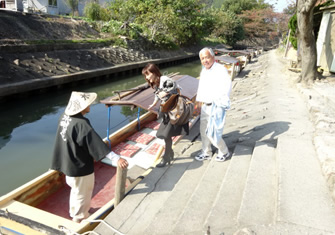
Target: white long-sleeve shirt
column 214, row 85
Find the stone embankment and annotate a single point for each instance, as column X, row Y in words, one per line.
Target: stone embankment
column 29, row 68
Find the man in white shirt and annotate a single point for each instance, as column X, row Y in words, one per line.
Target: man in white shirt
column 213, row 91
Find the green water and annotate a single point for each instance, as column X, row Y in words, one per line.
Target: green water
column 29, row 124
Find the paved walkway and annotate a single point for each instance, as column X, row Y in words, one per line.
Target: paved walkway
column 273, row 184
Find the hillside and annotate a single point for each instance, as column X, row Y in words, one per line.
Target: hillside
column 20, row 61
column 17, row 26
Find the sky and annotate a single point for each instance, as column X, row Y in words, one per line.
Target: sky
column 279, row 4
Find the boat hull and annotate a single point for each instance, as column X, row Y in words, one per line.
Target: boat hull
column 42, row 203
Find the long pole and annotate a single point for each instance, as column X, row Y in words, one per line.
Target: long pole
column 287, row 43
column 120, row 186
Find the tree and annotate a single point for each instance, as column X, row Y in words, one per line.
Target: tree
column 165, row 22
column 228, row 27
column 291, row 8
column 260, row 23
column 306, row 40
column 95, row 11
column 238, row 6
column 73, row 4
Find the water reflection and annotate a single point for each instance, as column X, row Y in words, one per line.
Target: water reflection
column 29, row 124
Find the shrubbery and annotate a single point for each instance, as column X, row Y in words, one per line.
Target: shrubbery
column 94, row 11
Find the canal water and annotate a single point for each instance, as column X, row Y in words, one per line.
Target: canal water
column 29, row 124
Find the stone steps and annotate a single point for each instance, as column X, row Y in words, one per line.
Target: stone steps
column 223, row 214
column 261, row 189
column 200, row 203
column 259, row 198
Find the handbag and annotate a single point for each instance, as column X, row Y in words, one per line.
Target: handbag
column 170, row 103
column 182, row 111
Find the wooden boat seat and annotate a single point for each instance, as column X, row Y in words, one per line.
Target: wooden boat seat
column 126, row 150
column 153, row 125
column 153, row 148
column 227, row 59
column 142, row 138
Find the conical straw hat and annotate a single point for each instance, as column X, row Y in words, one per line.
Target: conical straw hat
column 79, row 101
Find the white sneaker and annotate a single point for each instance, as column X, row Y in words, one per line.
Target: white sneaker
column 222, row 158
column 201, row 157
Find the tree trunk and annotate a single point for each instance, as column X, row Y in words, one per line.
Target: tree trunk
column 306, row 40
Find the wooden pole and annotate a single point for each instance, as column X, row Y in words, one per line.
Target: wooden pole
column 287, row 43
column 159, row 153
column 120, row 187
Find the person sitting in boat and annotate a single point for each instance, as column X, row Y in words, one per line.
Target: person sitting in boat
column 163, row 90
column 77, row 146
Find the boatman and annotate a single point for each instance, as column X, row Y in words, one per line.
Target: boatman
column 213, row 97
column 77, row 146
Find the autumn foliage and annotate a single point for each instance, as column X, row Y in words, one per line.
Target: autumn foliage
column 264, row 23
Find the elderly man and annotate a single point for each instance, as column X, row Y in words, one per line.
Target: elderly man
column 77, row 146
column 213, row 96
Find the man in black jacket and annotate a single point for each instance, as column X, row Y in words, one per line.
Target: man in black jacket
column 77, row 146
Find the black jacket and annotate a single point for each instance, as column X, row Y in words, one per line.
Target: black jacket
column 77, row 145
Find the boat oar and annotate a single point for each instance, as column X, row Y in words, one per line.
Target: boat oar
column 129, row 91
column 172, row 74
column 136, row 89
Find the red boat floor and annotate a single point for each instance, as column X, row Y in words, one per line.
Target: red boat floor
column 104, row 190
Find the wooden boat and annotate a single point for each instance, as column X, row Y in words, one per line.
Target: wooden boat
column 41, row 205
column 243, row 56
column 232, row 64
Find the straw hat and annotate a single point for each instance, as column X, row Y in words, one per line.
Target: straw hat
column 79, row 101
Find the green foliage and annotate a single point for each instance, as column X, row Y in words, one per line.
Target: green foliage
column 217, row 3
column 228, row 27
column 237, row 6
column 293, row 25
column 95, row 12
column 131, row 30
column 165, row 22
column 172, row 23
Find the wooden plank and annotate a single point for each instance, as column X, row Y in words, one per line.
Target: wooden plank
column 26, row 187
column 43, row 217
